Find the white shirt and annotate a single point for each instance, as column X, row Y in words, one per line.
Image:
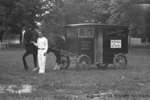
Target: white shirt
column 42, row 44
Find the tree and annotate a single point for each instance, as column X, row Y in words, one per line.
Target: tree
column 16, row 14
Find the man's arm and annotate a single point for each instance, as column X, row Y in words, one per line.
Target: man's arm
column 46, row 45
column 34, row 43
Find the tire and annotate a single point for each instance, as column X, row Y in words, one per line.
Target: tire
column 83, row 62
column 84, row 59
column 65, row 62
column 120, row 61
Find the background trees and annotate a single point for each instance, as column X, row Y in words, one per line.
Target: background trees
column 16, row 14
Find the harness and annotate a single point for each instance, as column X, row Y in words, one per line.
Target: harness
column 41, row 48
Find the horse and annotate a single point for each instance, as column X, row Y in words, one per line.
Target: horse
column 31, row 49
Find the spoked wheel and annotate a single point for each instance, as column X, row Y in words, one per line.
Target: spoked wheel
column 120, row 61
column 65, row 62
column 84, row 61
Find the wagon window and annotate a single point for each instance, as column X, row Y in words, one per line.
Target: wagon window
column 71, row 33
column 86, row 33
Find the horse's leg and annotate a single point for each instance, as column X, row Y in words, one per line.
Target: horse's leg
column 57, row 54
column 35, row 59
column 24, row 60
column 58, row 59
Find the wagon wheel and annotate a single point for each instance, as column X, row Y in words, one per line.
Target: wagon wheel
column 120, row 60
column 65, row 62
column 84, row 61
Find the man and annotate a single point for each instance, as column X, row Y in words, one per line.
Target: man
column 42, row 44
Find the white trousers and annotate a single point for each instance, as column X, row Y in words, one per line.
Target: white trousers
column 41, row 61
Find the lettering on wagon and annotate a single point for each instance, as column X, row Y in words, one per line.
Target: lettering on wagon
column 115, row 44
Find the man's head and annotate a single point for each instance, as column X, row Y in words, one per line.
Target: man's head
column 39, row 33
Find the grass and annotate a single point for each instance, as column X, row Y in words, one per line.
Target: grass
column 132, row 83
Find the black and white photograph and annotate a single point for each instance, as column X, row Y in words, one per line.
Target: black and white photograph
column 74, row 49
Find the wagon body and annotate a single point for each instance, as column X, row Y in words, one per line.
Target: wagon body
column 98, row 43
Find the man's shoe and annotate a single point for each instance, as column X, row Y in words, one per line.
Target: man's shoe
column 41, row 72
column 35, row 69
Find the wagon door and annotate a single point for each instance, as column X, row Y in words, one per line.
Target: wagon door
column 98, row 46
column 86, row 42
column 114, row 42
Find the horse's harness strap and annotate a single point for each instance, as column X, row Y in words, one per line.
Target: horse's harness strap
column 41, row 48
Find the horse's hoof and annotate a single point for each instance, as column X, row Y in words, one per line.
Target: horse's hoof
column 25, row 69
column 35, row 69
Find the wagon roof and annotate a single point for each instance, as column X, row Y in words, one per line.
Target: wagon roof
column 98, row 25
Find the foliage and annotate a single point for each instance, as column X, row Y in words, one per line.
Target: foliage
column 16, row 14
column 122, row 12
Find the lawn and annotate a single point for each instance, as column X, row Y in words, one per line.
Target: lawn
column 132, row 83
